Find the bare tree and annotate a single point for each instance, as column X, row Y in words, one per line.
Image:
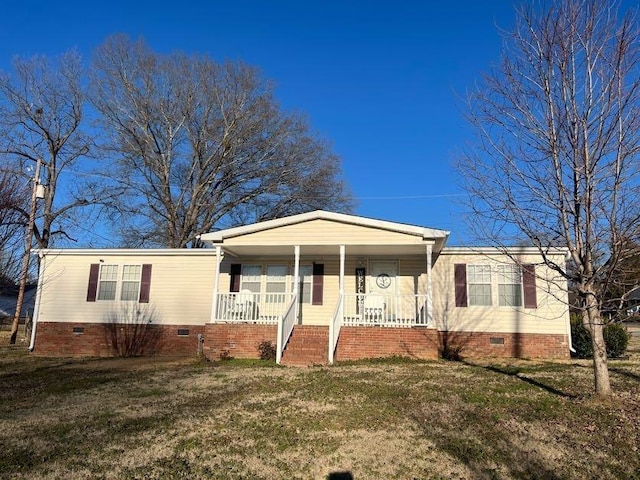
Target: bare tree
column 41, row 114
column 557, row 159
column 13, row 200
column 198, row 145
column 41, row 108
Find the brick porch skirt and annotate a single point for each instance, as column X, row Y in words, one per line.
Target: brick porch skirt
column 237, row 340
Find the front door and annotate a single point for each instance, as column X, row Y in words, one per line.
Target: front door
column 383, row 277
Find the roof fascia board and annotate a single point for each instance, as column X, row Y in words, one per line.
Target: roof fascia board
column 503, row 251
column 205, row 252
column 425, row 233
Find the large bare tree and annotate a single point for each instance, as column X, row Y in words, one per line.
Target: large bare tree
column 199, row 145
column 13, row 203
column 41, row 135
column 558, row 156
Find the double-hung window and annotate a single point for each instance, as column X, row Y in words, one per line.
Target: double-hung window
column 306, row 283
column 276, row 286
column 509, row 285
column 107, row 282
column 127, row 283
column 251, row 278
column 131, row 276
column 479, row 282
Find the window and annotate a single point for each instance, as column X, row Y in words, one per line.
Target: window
column 516, row 285
column 131, row 282
column 509, row 285
column 251, row 278
column 107, row 282
column 479, row 283
column 306, row 283
column 276, row 286
column 275, row 282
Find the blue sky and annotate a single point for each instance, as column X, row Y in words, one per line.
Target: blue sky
column 378, row 79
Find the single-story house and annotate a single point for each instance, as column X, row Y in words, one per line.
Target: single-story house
column 315, row 288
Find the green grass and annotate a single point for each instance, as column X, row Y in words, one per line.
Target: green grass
column 154, row 418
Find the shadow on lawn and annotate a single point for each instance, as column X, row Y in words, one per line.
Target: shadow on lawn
column 516, row 374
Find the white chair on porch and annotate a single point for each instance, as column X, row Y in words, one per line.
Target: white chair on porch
column 243, row 306
column 374, row 307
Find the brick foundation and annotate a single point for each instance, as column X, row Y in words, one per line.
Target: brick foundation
column 242, row 341
column 508, row 345
column 95, row 340
column 356, row 343
column 236, row 340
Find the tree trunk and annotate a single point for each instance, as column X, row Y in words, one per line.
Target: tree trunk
column 591, row 315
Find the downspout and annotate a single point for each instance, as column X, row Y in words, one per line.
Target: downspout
column 36, row 307
column 571, row 349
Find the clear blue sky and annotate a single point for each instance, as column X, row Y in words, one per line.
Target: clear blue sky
column 378, row 79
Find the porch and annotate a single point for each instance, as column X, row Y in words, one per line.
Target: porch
column 352, row 312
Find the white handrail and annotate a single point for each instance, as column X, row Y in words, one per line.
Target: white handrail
column 361, row 309
column 248, row 307
column 285, row 328
column 334, row 330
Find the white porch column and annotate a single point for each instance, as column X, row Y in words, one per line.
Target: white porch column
column 429, row 286
column 216, row 283
column 342, row 255
column 296, row 276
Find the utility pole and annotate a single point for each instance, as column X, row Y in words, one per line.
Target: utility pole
column 27, row 254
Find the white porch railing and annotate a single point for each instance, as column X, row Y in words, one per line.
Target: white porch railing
column 285, row 328
column 248, row 307
column 384, row 310
column 334, row 330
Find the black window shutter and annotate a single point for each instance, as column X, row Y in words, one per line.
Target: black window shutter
column 318, row 283
column 235, row 273
column 460, row 274
column 529, row 286
column 145, row 283
column 92, row 289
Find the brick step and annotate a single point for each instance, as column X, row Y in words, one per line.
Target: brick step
column 308, row 345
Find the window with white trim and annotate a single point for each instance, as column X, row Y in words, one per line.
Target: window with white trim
column 276, row 283
column 251, row 278
column 107, row 282
column 509, row 285
column 131, row 277
column 479, row 284
column 306, row 283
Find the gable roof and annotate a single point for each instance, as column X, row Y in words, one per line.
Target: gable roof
column 422, row 234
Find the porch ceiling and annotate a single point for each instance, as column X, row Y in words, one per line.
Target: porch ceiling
column 326, row 250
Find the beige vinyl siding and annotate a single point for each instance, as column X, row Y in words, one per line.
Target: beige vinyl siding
column 324, row 232
column 550, row 317
column 180, row 292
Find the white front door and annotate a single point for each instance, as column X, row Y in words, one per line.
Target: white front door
column 383, row 277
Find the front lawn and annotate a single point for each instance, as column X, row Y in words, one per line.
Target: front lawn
column 154, row 418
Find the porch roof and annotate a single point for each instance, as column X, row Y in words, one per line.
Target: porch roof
column 321, row 233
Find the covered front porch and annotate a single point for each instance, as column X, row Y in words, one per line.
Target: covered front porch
column 324, row 270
